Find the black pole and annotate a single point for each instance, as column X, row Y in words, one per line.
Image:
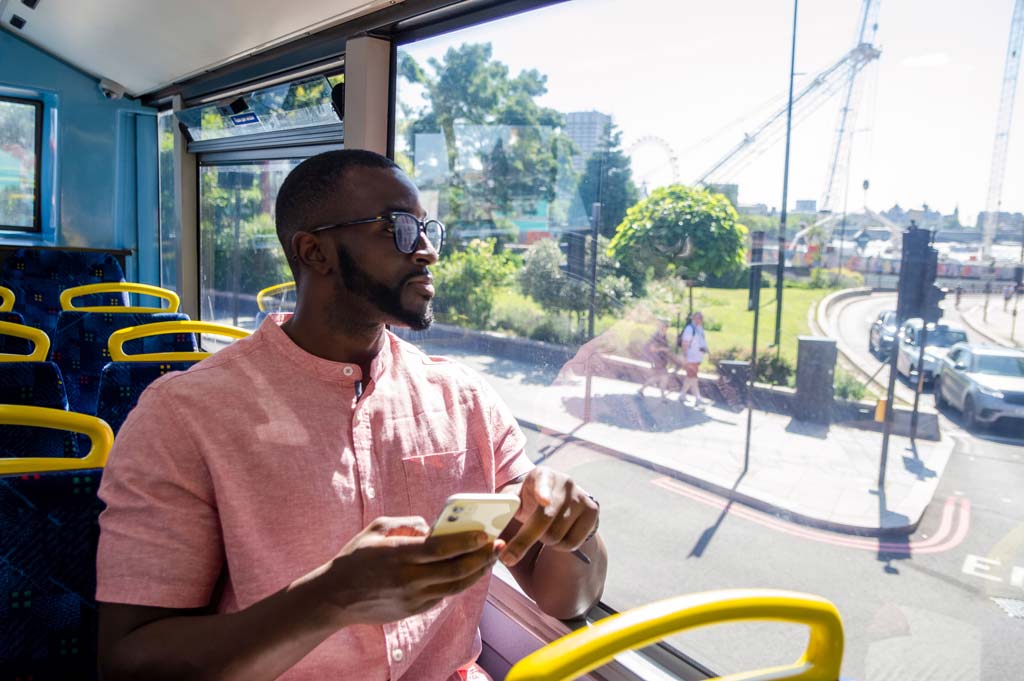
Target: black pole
column 756, row 299
column 920, row 379
column 593, row 268
column 888, row 414
column 780, row 271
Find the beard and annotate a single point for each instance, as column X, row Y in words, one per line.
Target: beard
column 387, row 300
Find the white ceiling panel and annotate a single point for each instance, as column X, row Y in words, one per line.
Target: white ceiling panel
column 147, row 44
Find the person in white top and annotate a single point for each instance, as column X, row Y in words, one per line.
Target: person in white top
column 694, row 347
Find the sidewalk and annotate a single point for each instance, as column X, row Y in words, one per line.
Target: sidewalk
column 996, row 325
column 817, row 475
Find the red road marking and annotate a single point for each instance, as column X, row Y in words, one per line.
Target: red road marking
column 945, row 538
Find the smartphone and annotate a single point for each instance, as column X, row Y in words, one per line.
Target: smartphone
column 488, row 513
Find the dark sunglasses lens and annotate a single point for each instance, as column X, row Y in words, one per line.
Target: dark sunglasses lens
column 435, row 233
column 407, row 231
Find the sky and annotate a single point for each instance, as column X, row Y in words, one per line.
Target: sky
column 699, row 74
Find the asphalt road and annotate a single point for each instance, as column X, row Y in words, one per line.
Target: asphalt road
column 918, row 607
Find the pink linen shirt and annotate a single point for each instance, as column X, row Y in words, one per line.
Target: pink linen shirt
column 229, row 481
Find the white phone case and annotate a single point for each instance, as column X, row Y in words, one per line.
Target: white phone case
column 488, row 513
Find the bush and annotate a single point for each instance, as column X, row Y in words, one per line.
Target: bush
column 468, row 280
column 775, row 370
column 847, row 386
column 823, row 278
column 516, row 313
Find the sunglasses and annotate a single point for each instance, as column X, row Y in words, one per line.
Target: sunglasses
column 405, row 227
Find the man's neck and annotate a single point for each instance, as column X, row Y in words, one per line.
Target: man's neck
column 353, row 344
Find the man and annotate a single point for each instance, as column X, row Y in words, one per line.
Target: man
column 694, row 346
column 656, row 351
column 268, row 509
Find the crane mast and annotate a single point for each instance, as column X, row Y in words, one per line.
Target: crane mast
column 993, row 205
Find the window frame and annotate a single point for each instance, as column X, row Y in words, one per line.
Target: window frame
column 37, row 207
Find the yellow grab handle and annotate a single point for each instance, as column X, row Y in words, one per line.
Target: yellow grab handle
column 8, row 299
column 119, row 287
column 97, row 429
column 273, row 291
column 581, row 651
column 37, row 336
column 121, row 336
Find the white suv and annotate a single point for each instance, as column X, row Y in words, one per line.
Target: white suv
column 941, row 337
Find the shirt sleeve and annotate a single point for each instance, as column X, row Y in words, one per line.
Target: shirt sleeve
column 160, row 537
column 507, row 438
column 688, row 334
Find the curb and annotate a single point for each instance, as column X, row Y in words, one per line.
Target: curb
column 965, row 317
column 727, row 493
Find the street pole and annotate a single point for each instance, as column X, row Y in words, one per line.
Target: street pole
column 781, row 268
column 887, row 430
column 756, row 301
column 920, row 379
column 596, row 209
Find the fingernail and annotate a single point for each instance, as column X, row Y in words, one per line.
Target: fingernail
column 508, row 559
column 499, row 545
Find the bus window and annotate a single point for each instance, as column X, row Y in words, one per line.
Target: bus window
column 21, row 129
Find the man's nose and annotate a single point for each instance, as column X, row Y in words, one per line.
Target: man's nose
column 425, row 253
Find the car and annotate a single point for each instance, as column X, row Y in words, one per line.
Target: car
column 882, row 335
column 984, row 383
column 941, row 337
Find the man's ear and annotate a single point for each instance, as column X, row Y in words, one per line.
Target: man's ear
column 306, row 248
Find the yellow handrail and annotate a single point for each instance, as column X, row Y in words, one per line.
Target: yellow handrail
column 272, row 291
column 38, row 337
column 581, row 651
column 8, row 299
column 99, row 433
column 119, row 287
column 121, row 336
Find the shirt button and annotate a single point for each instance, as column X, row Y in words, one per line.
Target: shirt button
column 347, row 371
column 371, row 493
column 397, row 654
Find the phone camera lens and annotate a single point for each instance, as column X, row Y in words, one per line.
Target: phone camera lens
column 457, row 509
column 452, row 518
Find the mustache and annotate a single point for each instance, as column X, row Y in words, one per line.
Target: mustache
column 425, row 272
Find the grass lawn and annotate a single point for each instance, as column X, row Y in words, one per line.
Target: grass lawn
column 728, row 307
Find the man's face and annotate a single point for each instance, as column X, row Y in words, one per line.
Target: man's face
column 396, row 286
column 698, row 319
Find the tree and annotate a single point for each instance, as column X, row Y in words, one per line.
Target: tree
column 467, row 281
column 680, row 230
column 504, row 152
column 608, row 178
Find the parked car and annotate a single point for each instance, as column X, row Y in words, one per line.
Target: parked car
column 985, row 383
column 941, row 337
column 882, row 335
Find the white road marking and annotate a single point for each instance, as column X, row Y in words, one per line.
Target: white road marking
column 978, row 566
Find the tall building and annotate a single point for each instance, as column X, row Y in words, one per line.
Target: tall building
column 587, row 129
column 806, row 206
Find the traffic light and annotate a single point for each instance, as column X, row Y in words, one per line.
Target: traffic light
column 931, row 312
column 919, row 265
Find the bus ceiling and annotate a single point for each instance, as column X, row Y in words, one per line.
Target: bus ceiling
column 224, row 46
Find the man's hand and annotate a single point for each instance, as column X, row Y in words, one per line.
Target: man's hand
column 392, row 570
column 553, row 511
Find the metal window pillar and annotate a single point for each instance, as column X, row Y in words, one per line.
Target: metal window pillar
column 186, row 214
column 367, row 84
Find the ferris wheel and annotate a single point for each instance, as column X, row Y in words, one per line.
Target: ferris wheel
column 654, row 163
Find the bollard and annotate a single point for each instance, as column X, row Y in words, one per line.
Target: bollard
column 880, row 410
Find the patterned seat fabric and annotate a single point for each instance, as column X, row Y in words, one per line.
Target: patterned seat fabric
column 37, row 278
column 36, row 384
column 48, row 575
column 121, row 384
column 12, row 345
column 80, row 348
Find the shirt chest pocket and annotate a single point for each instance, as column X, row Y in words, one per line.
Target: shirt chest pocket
column 431, row 478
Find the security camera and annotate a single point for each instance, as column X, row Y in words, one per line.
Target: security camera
column 112, row 90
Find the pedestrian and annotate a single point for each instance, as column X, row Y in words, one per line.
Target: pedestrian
column 1007, row 294
column 657, row 352
column 959, row 292
column 694, row 347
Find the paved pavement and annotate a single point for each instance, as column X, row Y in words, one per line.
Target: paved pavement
column 994, row 323
column 818, row 475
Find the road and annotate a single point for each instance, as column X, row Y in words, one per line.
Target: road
column 919, row 607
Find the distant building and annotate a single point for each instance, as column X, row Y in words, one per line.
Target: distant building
column 754, row 209
column 731, row 192
column 1006, row 220
column 806, row 206
column 587, row 129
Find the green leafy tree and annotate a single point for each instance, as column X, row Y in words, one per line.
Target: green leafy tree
column 680, row 230
column 504, row 152
column 608, row 179
column 468, row 280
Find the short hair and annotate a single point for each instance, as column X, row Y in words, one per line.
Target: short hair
column 313, row 186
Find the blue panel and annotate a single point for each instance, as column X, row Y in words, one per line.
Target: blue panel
column 83, row 150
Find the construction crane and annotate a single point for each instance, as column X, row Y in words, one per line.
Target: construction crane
column 995, row 181
column 839, row 160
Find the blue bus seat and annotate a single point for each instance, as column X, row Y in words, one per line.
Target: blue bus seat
column 125, row 378
column 37, row 277
column 49, row 511
column 80, row 348
column 13, row 345
column 25, row 379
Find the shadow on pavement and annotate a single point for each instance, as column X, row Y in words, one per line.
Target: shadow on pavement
column 503, row 368
column 891, row 548
column 818, row 430
column 640, row 413
column 914, row 465
column 707, row 535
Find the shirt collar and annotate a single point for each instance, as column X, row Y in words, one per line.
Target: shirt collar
column 323, row 369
